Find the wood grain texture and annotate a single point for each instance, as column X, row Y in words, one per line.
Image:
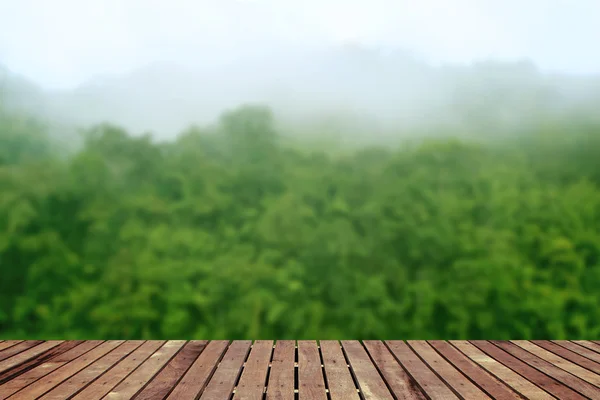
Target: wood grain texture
column 105, row 383
column 27, row 355
column 446, row 371
column 311, row 384
column 333, row 370
column 433, row 386
column 588, row 345
column 81, row 379
column 9, row 343
column 551, row 370
column 487, row 382
column 581, row 350
column 194, row 381
column 41, row 371
column 370, row 383
column 223, row 381
column 253, row 381
column 168, row 377
column 402, row 385
column 64, row 372
column 145, row 372
column 502, row 372
column 18, row 348
column 568, row 355
column 281, row 379
column 559, row 362
column 339, row 379
column 37, row 360
column 542, row 380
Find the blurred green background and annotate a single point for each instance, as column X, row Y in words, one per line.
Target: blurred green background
column 234, row 232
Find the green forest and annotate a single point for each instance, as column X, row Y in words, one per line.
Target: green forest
column 235, row 231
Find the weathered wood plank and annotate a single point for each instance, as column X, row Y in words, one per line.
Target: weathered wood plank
column 253, row 379
column 162, row 384
column 37, row 360
column 196, row 378
column 105, row 383
column 502, row 372
column 9, row 343
column 56, row 377
column 588, row 345
column 549, row 369
column 281, row 379
column 18, row 348
column 545, row 382
column 220, row 387
column 370, row 383
column 581, row 350
column 446, row 371
column 145, row 372
column 9, row 388
column 568, row 355
column 311, row 384
column 339, row 379
column 402, row 385
column 483, row 379
column 27, row 355
column 427, row 380
column 559, row 362
column 81, row 379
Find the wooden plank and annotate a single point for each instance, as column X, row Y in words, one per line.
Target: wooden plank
column 220, row 387
column 370, row 383
column 56, row 377
column 427, row 380
column 31, row 376
column 281, row 379
column 165, row 381
column 559, row 362
column 568, row 355
column 27, row 355
column 9, row 343
column 588, row 345
column 195, row 379
column 145, row 372
column 402, row 385
column 581, row 350
column 105, row 383
column 508, row 376
column 81, row 379
column 545, row 382
column 339, row 380
column 254, row 377
column 311, row 384
column 37, row 360
column 484, row 380
column 18, row 348
column 555, row 372
column 446, row 371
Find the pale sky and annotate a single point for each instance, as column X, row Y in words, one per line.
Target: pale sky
column 60, row 43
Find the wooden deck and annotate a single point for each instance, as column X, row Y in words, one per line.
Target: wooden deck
column 264, row 369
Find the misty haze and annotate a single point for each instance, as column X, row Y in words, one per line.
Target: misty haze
column 341, row 169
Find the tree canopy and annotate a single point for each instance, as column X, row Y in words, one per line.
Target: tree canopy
column 228, row 232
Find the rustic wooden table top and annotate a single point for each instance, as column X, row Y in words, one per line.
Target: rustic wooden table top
column 286, row 369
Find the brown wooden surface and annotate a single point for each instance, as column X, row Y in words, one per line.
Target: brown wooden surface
column 339, row 379
column 286, row 370
column 281, row 383
column 311, row 383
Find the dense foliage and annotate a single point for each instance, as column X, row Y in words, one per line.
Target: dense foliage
column 229, row 232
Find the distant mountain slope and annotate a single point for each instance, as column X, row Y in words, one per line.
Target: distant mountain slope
column 393, row 88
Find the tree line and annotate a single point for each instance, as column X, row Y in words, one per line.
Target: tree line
column 231, row 232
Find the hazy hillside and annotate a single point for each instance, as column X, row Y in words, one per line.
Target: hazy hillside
column 364, row 92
